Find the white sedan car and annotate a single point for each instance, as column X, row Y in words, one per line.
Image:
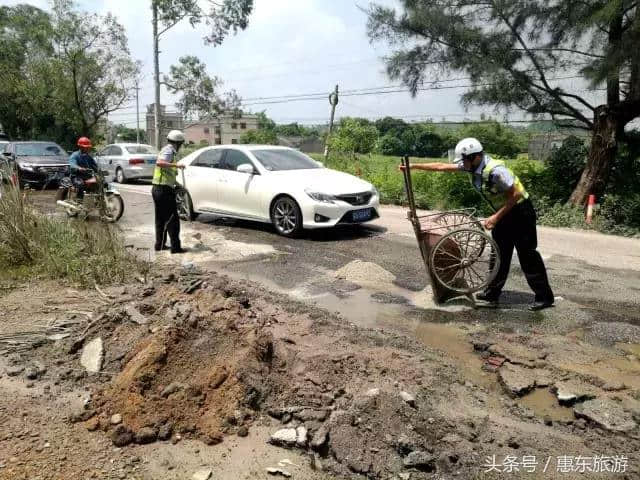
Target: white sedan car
column 275, row 185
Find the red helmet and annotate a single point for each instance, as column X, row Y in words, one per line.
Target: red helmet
column 84, row 142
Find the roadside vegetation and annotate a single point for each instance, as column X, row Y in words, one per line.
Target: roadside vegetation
column 84, row 253
column 550, row 183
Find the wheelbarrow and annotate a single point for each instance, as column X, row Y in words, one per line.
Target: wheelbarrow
column 459, row 255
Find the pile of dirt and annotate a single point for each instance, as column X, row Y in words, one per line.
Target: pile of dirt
column 190, row 355
column 186, row 370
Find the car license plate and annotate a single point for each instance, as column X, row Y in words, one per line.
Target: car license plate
column 151, row 161
column 361, row 215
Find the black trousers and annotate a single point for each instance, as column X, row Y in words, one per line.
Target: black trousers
column 517, row 230
column 167, row 220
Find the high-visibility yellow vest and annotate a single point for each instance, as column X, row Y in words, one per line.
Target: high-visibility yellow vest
column 165, row 176
column 489, row 190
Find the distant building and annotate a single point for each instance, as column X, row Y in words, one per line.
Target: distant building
column 541, row 146
column 223, row 129
column 168, row 121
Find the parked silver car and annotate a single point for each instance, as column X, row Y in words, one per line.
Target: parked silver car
column 128, row 161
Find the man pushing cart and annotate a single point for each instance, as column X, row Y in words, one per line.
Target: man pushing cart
column 458, row 254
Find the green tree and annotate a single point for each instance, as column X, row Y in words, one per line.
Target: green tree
column 514, row 49
column 25, row 49
column 496, row 138
column 390, row 144
column 62, row 73
column 92, row 52
column 264, row 122
column 199, row 91
column 354, row 136
column 390, row 125
column 259, row 137
column 125, row 134
column 222, row 18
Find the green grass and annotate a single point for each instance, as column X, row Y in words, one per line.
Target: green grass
column 37, row 245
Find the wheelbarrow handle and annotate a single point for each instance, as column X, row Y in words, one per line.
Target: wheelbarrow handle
column 408, row 185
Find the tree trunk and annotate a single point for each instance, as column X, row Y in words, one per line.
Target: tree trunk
column 604, row 146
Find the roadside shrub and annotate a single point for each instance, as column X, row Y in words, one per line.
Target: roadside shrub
column 563, row 169
column 82, row 252
column 390, row 145
column 354, row 136
column 621, row 213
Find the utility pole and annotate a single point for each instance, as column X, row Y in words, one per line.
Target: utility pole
column 156, row 74
column 333, row 101
column 137, row 113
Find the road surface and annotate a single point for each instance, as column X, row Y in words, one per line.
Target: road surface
column 373, row 274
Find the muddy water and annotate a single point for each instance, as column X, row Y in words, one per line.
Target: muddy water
column 454, row 342
column 544, row 403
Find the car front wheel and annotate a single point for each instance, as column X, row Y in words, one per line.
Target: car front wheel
column 286, row 216
column 185, row 206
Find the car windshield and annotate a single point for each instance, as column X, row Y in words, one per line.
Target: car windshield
column 276, row 160
column 38, row 150
column 141, row 149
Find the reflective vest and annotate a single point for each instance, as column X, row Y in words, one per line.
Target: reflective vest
column 489, row 190
column 165, row 176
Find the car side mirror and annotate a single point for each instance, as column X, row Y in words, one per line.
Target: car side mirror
column 246, row 168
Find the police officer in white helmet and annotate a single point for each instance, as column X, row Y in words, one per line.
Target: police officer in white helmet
column 164, row 194
column 513, row 223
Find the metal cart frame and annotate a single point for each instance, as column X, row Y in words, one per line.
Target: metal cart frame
column 459, row 255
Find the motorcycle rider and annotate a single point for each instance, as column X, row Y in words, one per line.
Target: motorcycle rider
column 82, row 166
column 164, row 194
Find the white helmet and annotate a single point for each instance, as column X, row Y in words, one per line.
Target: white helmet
column 466, row 146
column 175, row 136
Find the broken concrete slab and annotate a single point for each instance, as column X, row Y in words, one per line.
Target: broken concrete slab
column 515, row 353
column 301, row 436
column 202, row 475
column 517, row 380
column 572, row 391
column 278, row 471
column 93, row 356
column 408, row 398
column 420, row 460
column 607, row 414
column 285, row 437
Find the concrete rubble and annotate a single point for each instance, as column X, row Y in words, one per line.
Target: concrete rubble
column 92, row 356
column 607, row 414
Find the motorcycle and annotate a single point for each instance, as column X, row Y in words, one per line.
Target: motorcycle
column 99, row 197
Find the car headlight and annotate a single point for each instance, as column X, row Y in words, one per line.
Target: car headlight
column 374, row 191
column 320, row 197
column 26, row 166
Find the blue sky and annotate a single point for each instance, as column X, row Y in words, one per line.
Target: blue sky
column 290, row 47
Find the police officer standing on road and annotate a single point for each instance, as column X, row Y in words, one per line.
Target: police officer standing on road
column 164, row 194
column 513, row 223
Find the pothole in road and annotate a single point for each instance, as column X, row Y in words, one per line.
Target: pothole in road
column 543, row 404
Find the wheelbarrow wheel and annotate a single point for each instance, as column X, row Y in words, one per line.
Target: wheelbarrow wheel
column 465, row 260
column 458, row 220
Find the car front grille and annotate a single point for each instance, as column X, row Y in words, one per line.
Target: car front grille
column 356, row 198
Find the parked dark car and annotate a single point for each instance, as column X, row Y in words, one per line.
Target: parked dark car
column 37, row 163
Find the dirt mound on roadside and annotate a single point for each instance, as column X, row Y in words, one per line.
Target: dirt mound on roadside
column 189, row 373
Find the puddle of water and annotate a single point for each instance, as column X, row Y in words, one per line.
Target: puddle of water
column 544, row 403
column 454, row 342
